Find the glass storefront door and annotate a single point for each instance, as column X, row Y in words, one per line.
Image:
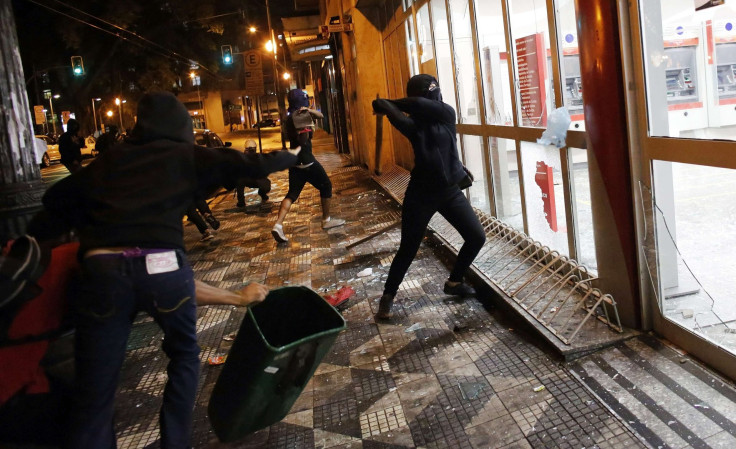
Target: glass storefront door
column 688, row 184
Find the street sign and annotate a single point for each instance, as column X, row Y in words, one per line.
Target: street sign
column 254, row 82
column 39, row 114
column 65, row 115
column 252, row 60
column 336, row 28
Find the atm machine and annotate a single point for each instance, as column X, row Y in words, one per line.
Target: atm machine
column 726, row 78
column 573, row 90
column 684, row 92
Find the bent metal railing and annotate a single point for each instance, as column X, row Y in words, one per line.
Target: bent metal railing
column 554, row 289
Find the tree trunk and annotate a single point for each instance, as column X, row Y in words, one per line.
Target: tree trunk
column 21, row 187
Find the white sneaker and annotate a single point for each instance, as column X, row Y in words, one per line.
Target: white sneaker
column 207, row 235
column 332, row 223
column 278, row 233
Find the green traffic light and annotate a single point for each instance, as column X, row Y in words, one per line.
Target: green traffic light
column 77, row 70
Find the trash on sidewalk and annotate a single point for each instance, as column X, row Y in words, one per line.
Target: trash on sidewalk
column 367, row 272
column 230, row 337
column 539, row 388
column 470, row 390
column 687, row 313
column 216, row 359
column 342, row 295
column 414, row 327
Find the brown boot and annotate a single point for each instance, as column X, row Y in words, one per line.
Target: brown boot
column 384, row 307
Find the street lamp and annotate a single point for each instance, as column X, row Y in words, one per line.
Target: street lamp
column 193, row 76
column 109, row 113
column 252, row 30
column 120, row 112
column 94, row 115
column 53, row 118
column 286, row 75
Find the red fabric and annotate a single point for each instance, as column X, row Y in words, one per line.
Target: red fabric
column 20, row 364
column 340, row 297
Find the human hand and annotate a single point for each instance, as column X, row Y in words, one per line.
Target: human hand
column 377, row 107
column 252, row 294
column 295, row 151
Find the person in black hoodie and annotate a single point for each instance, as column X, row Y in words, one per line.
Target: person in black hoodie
column 433, row 185
column 127, row 207
column 70, row 147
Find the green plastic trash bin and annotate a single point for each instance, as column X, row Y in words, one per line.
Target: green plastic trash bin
column 279, row 346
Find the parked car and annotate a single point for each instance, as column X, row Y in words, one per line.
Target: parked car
column 48, row 153
column 266, row 122
column 88, row 151
column 207, row 138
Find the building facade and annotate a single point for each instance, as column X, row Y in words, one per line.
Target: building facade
column 641, row 194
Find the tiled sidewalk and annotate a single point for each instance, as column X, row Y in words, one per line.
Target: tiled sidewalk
column 441, row 374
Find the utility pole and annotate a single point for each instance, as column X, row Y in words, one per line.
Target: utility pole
column 279, row 99
column 21, row 187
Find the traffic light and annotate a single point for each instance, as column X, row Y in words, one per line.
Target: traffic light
column 227, row 54
column 77, row 66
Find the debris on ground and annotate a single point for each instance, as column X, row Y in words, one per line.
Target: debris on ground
column 216, row 359
column 342, row 295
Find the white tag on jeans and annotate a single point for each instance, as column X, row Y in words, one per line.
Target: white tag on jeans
column 161, row 262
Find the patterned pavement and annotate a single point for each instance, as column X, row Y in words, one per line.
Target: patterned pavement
column 441, row 374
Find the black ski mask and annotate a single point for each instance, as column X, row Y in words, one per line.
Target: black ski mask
column 424, row 85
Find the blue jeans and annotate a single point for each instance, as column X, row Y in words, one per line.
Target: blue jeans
column 114, row 289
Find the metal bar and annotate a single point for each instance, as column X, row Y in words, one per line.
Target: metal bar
column 577, row 329
column 375, row 234
column 538, row 273
column 557, row 270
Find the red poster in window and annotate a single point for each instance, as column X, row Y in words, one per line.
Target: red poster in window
column 545, row 181
column 531, row 63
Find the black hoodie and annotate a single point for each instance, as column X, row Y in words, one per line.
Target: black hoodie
column 430, row 127
column 136, row 194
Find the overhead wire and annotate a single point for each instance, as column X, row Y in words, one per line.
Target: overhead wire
column 165, row 52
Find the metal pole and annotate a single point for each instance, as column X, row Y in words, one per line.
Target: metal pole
column 258, row 120
column 275, row 72
column 94, row 117
column 53, row 118
column 120, row 113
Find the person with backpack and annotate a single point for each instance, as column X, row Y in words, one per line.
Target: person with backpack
column 299, row 129
column 433, row 185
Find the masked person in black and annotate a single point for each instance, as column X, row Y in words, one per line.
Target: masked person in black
column 127, row 207
column 308, row 169
column 433, row 186
column 70, row 147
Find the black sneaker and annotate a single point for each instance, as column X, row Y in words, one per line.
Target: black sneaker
column 384, row 307
column 462, row 290
column 213, row 222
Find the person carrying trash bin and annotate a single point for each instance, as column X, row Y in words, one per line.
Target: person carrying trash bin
column 433, row 185
column 127, row 207
column 299, row 128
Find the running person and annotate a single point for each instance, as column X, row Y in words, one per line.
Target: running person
column 307, row 170
column 433, row 185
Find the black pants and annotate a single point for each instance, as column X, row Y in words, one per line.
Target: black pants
column 193, row 214
column 262, row 184
column 314, row 174
column 419, row 207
